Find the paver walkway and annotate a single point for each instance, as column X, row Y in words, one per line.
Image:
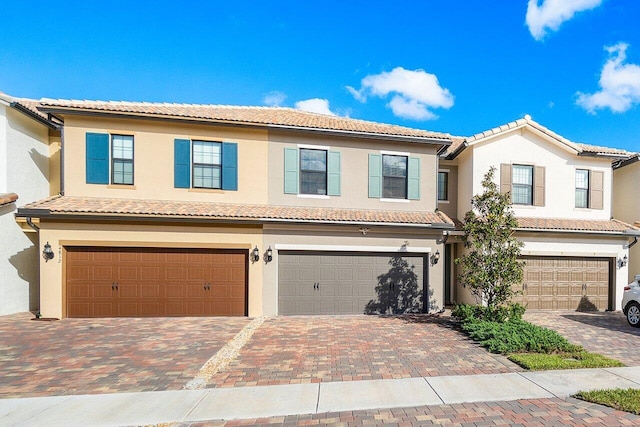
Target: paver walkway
column 311, row 349
column 84, row 356
column 530, row 413
column 607, row 333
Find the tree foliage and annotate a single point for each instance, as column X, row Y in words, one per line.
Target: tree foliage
column 491, row 267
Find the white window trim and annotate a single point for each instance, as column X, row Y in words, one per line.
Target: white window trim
column 313, row 147
column 396, row 200
column 347, row 248
column 313, row 196
column 395, row 153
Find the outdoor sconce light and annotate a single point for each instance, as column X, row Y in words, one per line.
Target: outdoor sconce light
column 622, row 262
column 47, row 252
column 255, row 255
column 268, row 256
column 435, row 258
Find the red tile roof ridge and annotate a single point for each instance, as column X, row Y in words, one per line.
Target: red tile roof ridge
column 6, row 198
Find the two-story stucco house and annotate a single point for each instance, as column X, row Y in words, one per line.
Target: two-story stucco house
column 29, row 144
column 194, row 210
column 575, row 252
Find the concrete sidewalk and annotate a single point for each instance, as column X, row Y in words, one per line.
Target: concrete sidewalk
column 126, row 409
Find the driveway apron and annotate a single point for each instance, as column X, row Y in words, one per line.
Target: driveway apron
column 87, row 356
column 312, row 349
column 606, row 333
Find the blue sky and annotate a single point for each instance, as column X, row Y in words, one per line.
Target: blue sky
column 453, row 66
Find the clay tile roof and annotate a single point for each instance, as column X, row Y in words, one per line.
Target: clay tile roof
column 581, row 225
column 459, row 142
column 268, row 116
column 6, row 198
column 66, row 205
column 29, row 105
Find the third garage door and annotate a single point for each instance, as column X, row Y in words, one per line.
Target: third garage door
column 349, row 283
column 142, row 282
column 565, row 283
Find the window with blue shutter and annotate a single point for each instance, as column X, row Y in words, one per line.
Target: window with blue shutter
column 182, row 163
column 97, row 158
column 205, row 164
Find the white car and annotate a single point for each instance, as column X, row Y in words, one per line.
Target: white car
column 631, row 302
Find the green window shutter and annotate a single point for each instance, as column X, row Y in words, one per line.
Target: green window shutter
column 413, row 179
column 97, row 161
column 375, row 176
column 291, row 170
column 229, row 166
column 182, row 163
column 333, row 173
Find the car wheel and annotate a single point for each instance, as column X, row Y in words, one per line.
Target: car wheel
column 633, row 314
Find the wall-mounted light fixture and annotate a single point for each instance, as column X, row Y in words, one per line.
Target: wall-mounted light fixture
column 435, row 257
column 363, row 230
column 255, row 255
column 622, row 262
column 47, row 252
column 268, row 255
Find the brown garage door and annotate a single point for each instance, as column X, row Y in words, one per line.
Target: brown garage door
column 565, row 283
column 349, row 283
column 143, row 282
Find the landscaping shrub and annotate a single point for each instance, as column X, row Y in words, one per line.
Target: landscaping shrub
column 516, row 336
column 469, row 313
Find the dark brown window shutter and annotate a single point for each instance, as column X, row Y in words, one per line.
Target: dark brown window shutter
column 538, row 184
column 596, row 190
column 505, row 178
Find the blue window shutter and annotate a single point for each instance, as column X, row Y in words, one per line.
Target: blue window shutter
column 291, row 170
column 333, row 173
column 182, row 163
column 229, row 166
column 97, row 164
column 375, row 176
column 413, row 177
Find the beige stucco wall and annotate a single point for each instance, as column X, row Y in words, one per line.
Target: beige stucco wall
column 60, row 234
column 626, row 207
column 154, row 160
column 524, row 147
column 354, row 174
column 341, row 238
column 450, row 206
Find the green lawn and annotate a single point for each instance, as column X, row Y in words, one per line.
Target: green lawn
column 572, row 360
column 623, row 399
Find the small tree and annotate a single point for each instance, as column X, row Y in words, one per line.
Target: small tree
column 491, row 267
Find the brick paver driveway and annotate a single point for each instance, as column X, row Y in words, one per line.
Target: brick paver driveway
column 84, row 356
column 309, row 349
column 607, row 333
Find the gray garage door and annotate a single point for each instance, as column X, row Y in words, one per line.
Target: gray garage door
column 349, row 283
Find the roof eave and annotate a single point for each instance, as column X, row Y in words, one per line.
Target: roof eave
column 24, row 110
column 625, row 233
column 49, row 215
column 444, row 140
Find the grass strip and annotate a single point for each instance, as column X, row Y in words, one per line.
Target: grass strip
column 562, row 360
column 627, row 400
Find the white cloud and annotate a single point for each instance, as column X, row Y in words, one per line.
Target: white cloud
column 619, row 84
column 552, row 13
column 415, row 92
column 274, row 98
column 315, row 105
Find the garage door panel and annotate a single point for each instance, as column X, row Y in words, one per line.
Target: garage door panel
column 347, row 281
column 155, row 282
column 565, row 283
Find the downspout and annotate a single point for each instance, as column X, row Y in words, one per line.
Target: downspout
column 32, row 225
column 630, row 245
column 62, row 160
